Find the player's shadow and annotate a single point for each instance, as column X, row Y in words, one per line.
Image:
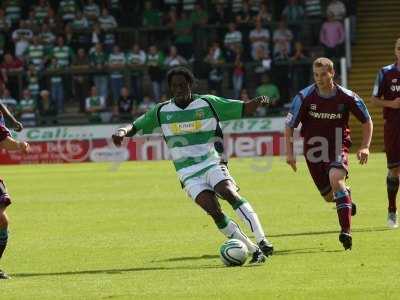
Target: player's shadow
column 184, row 258
column 323, row 232
column 114, row 271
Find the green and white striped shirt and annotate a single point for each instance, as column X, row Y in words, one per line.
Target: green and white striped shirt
column 190, row 133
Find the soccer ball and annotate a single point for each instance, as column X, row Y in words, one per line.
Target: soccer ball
column 233, row 253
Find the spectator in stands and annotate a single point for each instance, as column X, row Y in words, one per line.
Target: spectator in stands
column 282, row 39
column 97, row 35
column 245, row 15
column 81, row 81
column 31, row 22
column 184, row 37
column 114, row 6
column 11, row 64
column 79, row 22
column 63, row 53
column 5, row 23
column 136, row 60
column 259, row 37
column 336, row 9
column 35, row 54
column 21, row 38
column 32, row 80
column 116, row 63
column 220, row 15
column 125, row 107
column 98, row 60
column 170, row 18
column 41, row 11
column 9, row 101
column 91, row 11
column 56, row 84
column 27, row 109
column 46, row 108
column 214, row 60
column 264, row 14
column 95, row 105
column 174, row 59
column 47, row 37
column 67, row 10
column 53, row 20
column 199, row 15
column 145, row 105
column 155, row 64
column 232, row 38
column 293, row 13
column 267, row 88
column 239, row 72
column 299, row 70
column 13, row 10
column 313, row 12
column 108, row 24
column 263, row 64
column 151, row 16
column 332, row 37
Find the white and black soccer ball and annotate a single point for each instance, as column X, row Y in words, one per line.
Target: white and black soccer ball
column 233, row 253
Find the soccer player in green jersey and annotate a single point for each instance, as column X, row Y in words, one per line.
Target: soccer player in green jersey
column 190, row 125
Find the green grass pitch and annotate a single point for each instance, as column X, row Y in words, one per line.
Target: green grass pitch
column 85, row 231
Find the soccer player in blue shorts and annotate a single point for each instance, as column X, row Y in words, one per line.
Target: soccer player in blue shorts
column 190, row 125
column 386, row 94
column 7, row 143
column 323, row 109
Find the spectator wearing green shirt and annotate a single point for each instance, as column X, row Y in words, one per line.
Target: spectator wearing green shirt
column 267, row 88
column 98, row 59
column 95, row 105
column 116, row 61
column 56, row 84
column 155, row 64
column 27, row 108
column 151, row 16
column 136, row 59
column 184, row 37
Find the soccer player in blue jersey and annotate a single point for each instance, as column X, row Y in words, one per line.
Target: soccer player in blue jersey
column 323, row 109
column 7, row 143
column 386, row 94
column 190, row 125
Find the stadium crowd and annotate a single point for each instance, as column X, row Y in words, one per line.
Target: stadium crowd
column 107, row 59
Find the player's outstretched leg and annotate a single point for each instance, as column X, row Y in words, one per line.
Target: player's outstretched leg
column 227, row 190
column 208, row 201
column 3, row 237
column 392, row 184
column 343, row 205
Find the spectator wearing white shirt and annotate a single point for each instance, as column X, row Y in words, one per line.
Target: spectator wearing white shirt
column 232, row 38
column 336, row 9
column 174, row 59
column 21, row 38
column 282, row 38
column 136, row 59
column 259, row 38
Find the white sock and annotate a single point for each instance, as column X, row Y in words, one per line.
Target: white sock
column 248, row 215
column 232, row 231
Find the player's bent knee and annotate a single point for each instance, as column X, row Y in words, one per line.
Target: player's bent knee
column 3, row 219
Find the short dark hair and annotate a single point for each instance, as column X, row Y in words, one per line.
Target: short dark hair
column 180, row 71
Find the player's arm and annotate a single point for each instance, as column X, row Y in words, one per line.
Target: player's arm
column 4, row 110
column 395, row 104
column 251, row 106
column 292, row 121
column 360, row 111
column 122, row 132
column 146, row 123
column 290, row 157
column 363, row 151
column 10, row 144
